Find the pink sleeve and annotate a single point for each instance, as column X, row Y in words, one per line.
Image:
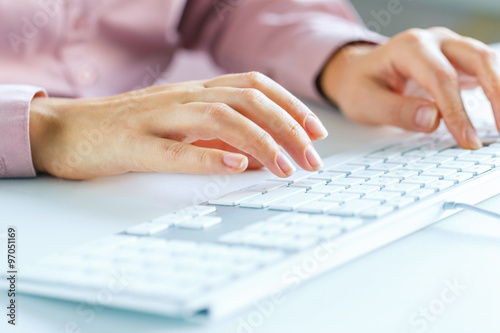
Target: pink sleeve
column 15, row 150
column 289, row 40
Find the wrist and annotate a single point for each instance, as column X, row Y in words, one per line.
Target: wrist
column 339, row 68
column 40, row 120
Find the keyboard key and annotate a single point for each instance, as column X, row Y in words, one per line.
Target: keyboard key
column 171, row 219
column 475, row 158
column 460, row 177
column 347, row 181
column 439, row 172
column 441, row 185
column 493, row 162
column 366, row 174
column 366, row 161
column 420, row 180
column 457, row 165
column 308, row 183
column 386, row 167
column 437, row 159
column 382, row 196
column 198, row 210
column 377, row 212
column 264, row 200
column 492, row 151
column 147, row 228
column 422, row 193
column 298, row 175
column 342, row 197
column 404, row 160
column 354, row 207
column 401, row 174
column 319, row 206
column 402, row 188
column 387, row 154
column 234, row 198
column 265, row 187
column 382, row 181
column 327, row 189
column 202, row 222
column 347, row 168
column 420, row 167
column 362, row 189
column 478, row 169
column 456, row 152
column 295, row 201
column 329, row 176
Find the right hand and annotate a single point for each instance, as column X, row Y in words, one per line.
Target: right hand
column 247, row 116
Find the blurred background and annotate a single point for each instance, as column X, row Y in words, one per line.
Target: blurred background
column 474, row 18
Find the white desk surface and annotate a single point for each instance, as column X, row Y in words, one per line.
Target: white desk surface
column 380, row 292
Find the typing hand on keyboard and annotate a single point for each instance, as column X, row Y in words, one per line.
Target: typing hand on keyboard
column 413, row 81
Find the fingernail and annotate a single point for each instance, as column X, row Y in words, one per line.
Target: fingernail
column 315, row 127
column 234, row 161
column 313, row 158
column 473, row 139
column 426, row 117
column 285, row 165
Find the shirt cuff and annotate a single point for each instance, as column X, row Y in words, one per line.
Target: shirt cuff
column 15, row 148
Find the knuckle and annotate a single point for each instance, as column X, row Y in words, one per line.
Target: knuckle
column 446, row 74
column 264, row 140
column 294, row 104
column 216, row 111
column 255, row 79
column 295, row 131
column 175, row 151
column 204, row 158
column 253, row 95
column 413, row 36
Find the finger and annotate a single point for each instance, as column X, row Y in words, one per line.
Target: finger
column 208, row 121
column 282, row 97
column 390, row 108
column 167, row 156
column 481, row 62
column 221, row 145
column 423, row 61
column 254, row 105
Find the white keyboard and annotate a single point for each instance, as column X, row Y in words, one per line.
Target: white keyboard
column 210, row 260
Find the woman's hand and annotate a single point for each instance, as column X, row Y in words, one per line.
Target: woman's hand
column 159, row 129
column 371, row 83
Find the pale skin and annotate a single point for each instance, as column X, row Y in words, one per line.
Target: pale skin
column 240, row 121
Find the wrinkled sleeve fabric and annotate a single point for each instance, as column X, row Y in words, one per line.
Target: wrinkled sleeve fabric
column 15, row 150
column 289, row 40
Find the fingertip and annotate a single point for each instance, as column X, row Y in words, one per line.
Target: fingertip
column 315, row 128
column 286, row 167
column 472, row 138
column 235, row 162
column 426, row 118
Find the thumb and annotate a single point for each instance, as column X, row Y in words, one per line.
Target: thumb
column 168, row 156
column 411, row 113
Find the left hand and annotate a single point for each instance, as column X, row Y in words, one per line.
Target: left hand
column 369, row 83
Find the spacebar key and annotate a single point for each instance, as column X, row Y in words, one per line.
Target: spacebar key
column 234, row 198
column 264, row 200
